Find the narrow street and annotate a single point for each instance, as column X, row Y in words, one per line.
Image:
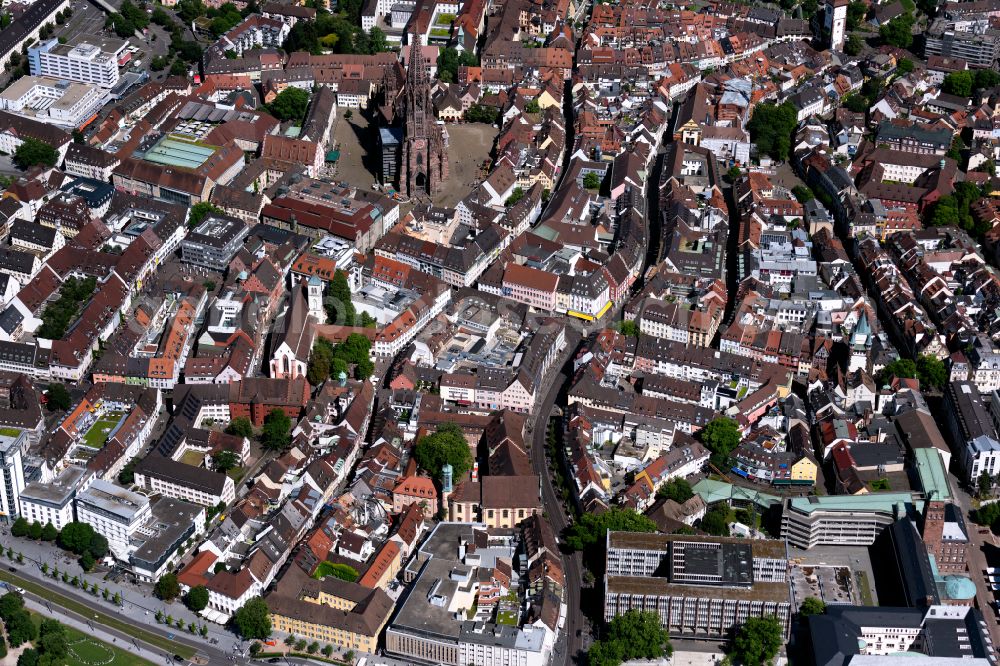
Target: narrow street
column 569, row 648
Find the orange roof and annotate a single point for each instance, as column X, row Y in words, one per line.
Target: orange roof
column 193, row 574
column 387, row 554
column 416, row 486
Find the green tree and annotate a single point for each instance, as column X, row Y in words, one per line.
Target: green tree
column 200, row 211
column 802, row 193
column 76, row 537
column 377, row 41
column 958, row 83
column 223, row 461
column 856, row 103
column 313, row 647
column 812, row 606
column 931, row 371
column 898, row 32
column 167, row 587
column 478, row 113
column 590, row 530
column 629, row 328
column 720, row 437
column 178, row 68
column 678, row 490
column 771, row 128
column 253, row 620
column 290, row 104
column 241, row 427
column 327, row 650
column 28, row 658
column 986, row 515
column 277, row 430
column 633, row 635
column 365, row 320
column 716, row 520
column 986, row 78
column 57, row 397
column 904, row 66
column 591, row 180
column 516, row 195
column 197, row 598
column 853, row 45
column 856, row 12
column 20, row 527
column 532, row 106
column 87, row 561
column 320, row 362
column 338, row 305
column 447, row 445
column 758, row 641
column 901, row 368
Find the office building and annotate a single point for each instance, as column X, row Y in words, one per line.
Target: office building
column 113, row 512
column 182, row 481
column 52, row 502
column 157, row 545
column 214, row 242
column 701, row 587
column 91, row 59
column 66, row 104
column 12, row 450
column 841, row 520
column 448, row 616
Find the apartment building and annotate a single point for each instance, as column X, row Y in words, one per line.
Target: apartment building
column 182, row 481
column 701, row 587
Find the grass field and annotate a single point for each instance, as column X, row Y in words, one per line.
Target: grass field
column 193, row 458
column 87, row 651
column 10, row 432
column 98, row 433
column 99, row 617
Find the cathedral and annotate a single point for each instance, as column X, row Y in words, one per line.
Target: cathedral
column 419, row 148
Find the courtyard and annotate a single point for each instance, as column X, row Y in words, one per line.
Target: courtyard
column 98, row 433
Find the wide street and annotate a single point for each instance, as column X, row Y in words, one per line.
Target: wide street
column 139, row 605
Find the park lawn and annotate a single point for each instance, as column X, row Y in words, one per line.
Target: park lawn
column 101, row 618
column 236, row 474
column 87, row 651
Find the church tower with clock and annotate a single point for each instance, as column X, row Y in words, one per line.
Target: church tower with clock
column 424, row 159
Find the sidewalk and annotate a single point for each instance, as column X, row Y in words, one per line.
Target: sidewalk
column 138, row 603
